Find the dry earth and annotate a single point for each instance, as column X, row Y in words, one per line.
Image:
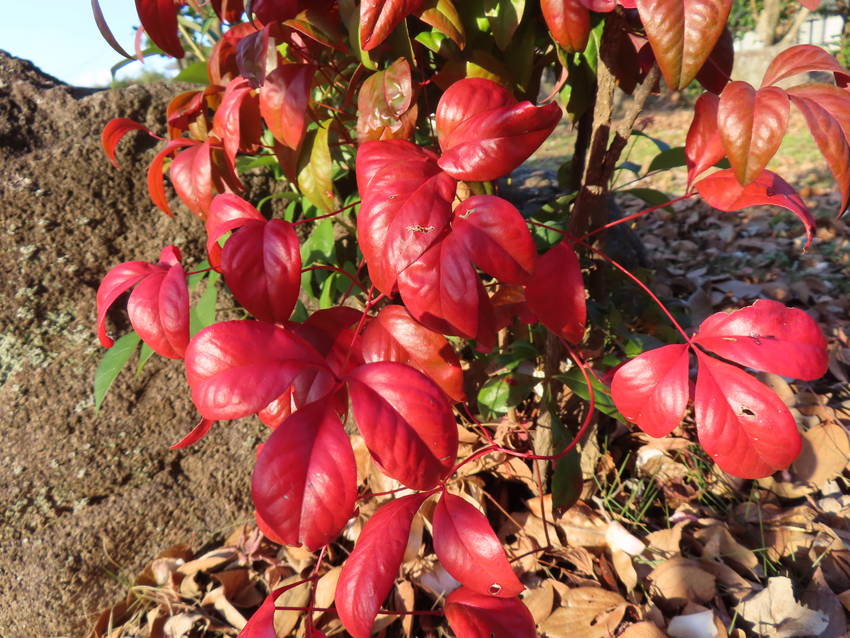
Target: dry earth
column 87, row 498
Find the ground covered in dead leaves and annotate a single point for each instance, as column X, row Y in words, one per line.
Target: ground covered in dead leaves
column 660, row 543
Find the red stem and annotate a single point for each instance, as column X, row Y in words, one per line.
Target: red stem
column 336, row 212
column 633, row 216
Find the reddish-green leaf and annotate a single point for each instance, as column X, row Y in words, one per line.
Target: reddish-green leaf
column 315, row 169
column 284, row 99
column 741, row 423
column 683, row 34
column 385, row 107
column 369, row 572
column 751, row 124
column 444, row 17
column 379, row 17
column 406, row 422
column 767, row 336
column 305, row 479
column 469, row 549
column 652, row 390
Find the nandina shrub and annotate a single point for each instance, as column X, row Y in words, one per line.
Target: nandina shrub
column 391, row 123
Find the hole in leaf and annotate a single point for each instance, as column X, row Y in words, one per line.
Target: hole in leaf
column 495, row 588
column 746, row 411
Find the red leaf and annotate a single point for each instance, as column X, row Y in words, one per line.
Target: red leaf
column 474, row 615
column 704, row 146
column 568, row 22
column 722, row 191
column 830, row 98
column 803, row 58
column 406, row 204
column 114, row 132
column 228, row 10
column 196, row 434
column 443, row 291
column 741, row 423
column 496, row 238
column 683, row 34
column 156, row 184
column 406, row 422
column 275, row 10
column 283, row 102
column 159, row 19
column 369, row 572
column 481, row 143
column 717, row 70
column 227, row 212
column 469, row 549
column 305, row 480
column 191, row 175
column 236, row 368
column 396, row 336
column 103, row 27
column 378, row 18
column 751, row 124
column 159, row 311
column 158, row 307
column 237, row 119
column 767, row 336
column 556, row 293
column 261, row 623
column 652, row 390
column 829, row 136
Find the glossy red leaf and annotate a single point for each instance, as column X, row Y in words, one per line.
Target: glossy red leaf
column 370, row 570
column 406, row 204
column 378, row 18
column 237, row 119
column 829, row 136
column 703, row 146
column 683, row 34
column 236, row 368
column 394, row 335
column 275, row 10
column 556, row 293
column 158, row 307
column 196, row 434
column 716, row 73
column 751, row 124
column 831, row 98
column 568, row 22
column 468, row 548
column 114, row 132
column 496, row 238
column 191, row 175
column 159, row 311
column 284, row 99
column 742, row 424
column 228, row 10
column 385, row 105
column 156, row 184
column 803, row 58
column 331, row 333
column 474, row 615
column 159, row 20
column 768, row 336
column 227, row 213
column 482, row 143
column 406, row 422
column 443, row 291
column 652, row 390
column 261, row 623
column 305, row 479
column 722, row 191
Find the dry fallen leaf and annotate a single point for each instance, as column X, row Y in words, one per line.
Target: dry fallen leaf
column 666, row 542
column 586, row 612
column 625, row 569
column 540, row 601
column 643, row 629
column 679, row 580
column 774, row 612
column 718, row 543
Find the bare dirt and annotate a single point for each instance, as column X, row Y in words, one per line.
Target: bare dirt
column 87, row 498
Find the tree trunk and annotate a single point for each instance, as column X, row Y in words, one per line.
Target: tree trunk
column 769, row 27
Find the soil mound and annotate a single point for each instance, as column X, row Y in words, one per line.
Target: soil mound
column 87, row 498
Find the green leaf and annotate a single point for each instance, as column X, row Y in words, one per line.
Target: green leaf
column 196, row 73
column 574, row 380
column 145, row 353
column 629, row 166
column 326, row 298
column 493, row 397
column 111, row 365
column 247, row 162
column 194, row 279
column 315, row 170
column 504, row 17
column 203, row 313
column 594, row 43
column 661, row 145
column 667, row 159
column 567, row 481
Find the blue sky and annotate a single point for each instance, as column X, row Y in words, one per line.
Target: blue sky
column 61, row 38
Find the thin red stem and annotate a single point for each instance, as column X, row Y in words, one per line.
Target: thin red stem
column 633, row 216
column 336, row 212
column 336, row 270
column 479, row 425
column 198, row 272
